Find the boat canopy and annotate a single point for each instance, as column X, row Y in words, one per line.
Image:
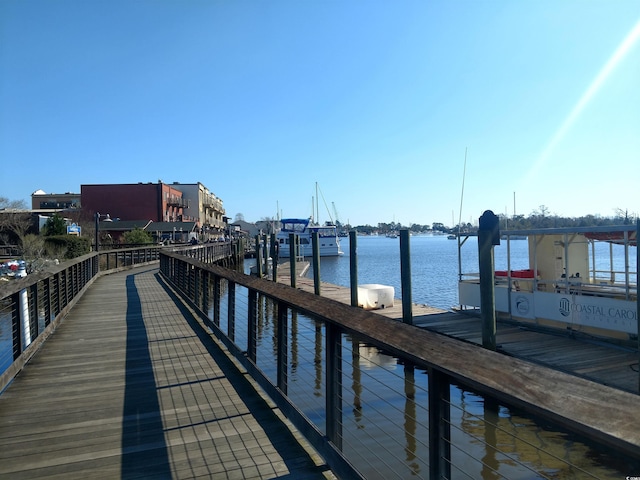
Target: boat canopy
column 294, row 225
column 614, row 237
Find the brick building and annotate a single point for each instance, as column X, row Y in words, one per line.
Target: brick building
column 158, row 202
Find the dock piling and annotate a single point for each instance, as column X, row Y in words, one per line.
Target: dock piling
column 353, row 267
column 405, row 277
column 488, row 236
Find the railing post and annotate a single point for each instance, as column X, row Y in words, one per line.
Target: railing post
column 16, row 325
column 197, row 286
column 206, row 286
column 251, row 328
column 282, row 348
column 405, row 275
column 334, row 384
column 292, row 259
column 315, row 246
column 439, row 425
column 353, row 267
column 231, row 311
column 47, row 303
column 216, row 299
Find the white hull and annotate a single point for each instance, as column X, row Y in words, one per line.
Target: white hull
column 329, row 243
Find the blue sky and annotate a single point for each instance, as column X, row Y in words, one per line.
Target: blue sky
column 376, row 101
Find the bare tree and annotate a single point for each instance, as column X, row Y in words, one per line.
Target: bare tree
column 6, row 204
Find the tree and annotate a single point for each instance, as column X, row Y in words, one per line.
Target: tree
column 238, row 218
column 137, row 236
column 55, row 225
column 14, row 226
column 5, row 203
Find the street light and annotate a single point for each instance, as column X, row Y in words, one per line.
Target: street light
column 107, row 218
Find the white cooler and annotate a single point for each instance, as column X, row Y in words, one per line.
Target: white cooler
column 374, row 295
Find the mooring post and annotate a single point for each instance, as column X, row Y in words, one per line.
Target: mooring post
column 353, row 267
column 292, row 258
column 405, row 277
column 315, row 246
column 488, row 236
column 274, row 258
column 258, row 257
column 265, row 255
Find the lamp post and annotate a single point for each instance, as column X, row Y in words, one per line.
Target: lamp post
column 97, row 239
column 97, row 217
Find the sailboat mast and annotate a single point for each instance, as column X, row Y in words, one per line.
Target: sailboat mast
column 317, row 211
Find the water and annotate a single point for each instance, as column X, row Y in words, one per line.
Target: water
column 435, row 269
column 434, row 265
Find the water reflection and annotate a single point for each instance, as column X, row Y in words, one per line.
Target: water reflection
column 387, row 430
column 410, row 427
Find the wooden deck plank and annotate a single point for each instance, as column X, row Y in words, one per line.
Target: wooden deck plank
column 127, row 388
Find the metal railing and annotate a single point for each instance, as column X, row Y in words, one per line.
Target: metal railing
column 31, row 307
column 435, row 411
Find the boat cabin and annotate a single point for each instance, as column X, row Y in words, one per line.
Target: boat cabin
column 581, row 279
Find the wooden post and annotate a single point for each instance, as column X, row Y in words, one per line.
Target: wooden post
column 353, row 267
column 334, row 384
column 265, row 257
column 292, row 259
column 488, row 236
column 258, row 257
column 439, row 425
column 315, row 244
column 274, row 257
column 405, row 277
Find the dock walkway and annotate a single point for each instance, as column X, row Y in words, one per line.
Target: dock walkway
column 132, row 386
column 604, row 363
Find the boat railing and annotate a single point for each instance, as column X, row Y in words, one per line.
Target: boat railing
column 571, row 286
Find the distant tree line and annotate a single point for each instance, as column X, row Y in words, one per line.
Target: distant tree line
column 541, row 218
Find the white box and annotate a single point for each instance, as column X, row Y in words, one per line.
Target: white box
column 374, row 295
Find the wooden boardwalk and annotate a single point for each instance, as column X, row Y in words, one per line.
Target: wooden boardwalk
column 600, row 362
column 132, row 386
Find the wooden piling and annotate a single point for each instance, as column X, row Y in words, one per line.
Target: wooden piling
column 315, row 246
column 353, row 267
column 292, row 259
column 405, row 277
column 488, row 236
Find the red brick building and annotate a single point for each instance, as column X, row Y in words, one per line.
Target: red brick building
column 158, row 202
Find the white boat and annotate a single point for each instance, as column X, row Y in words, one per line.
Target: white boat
column 329, row 243
column 578, row 280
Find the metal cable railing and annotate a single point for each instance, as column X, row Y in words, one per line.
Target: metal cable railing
column 372, row 413
column 30, row 307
